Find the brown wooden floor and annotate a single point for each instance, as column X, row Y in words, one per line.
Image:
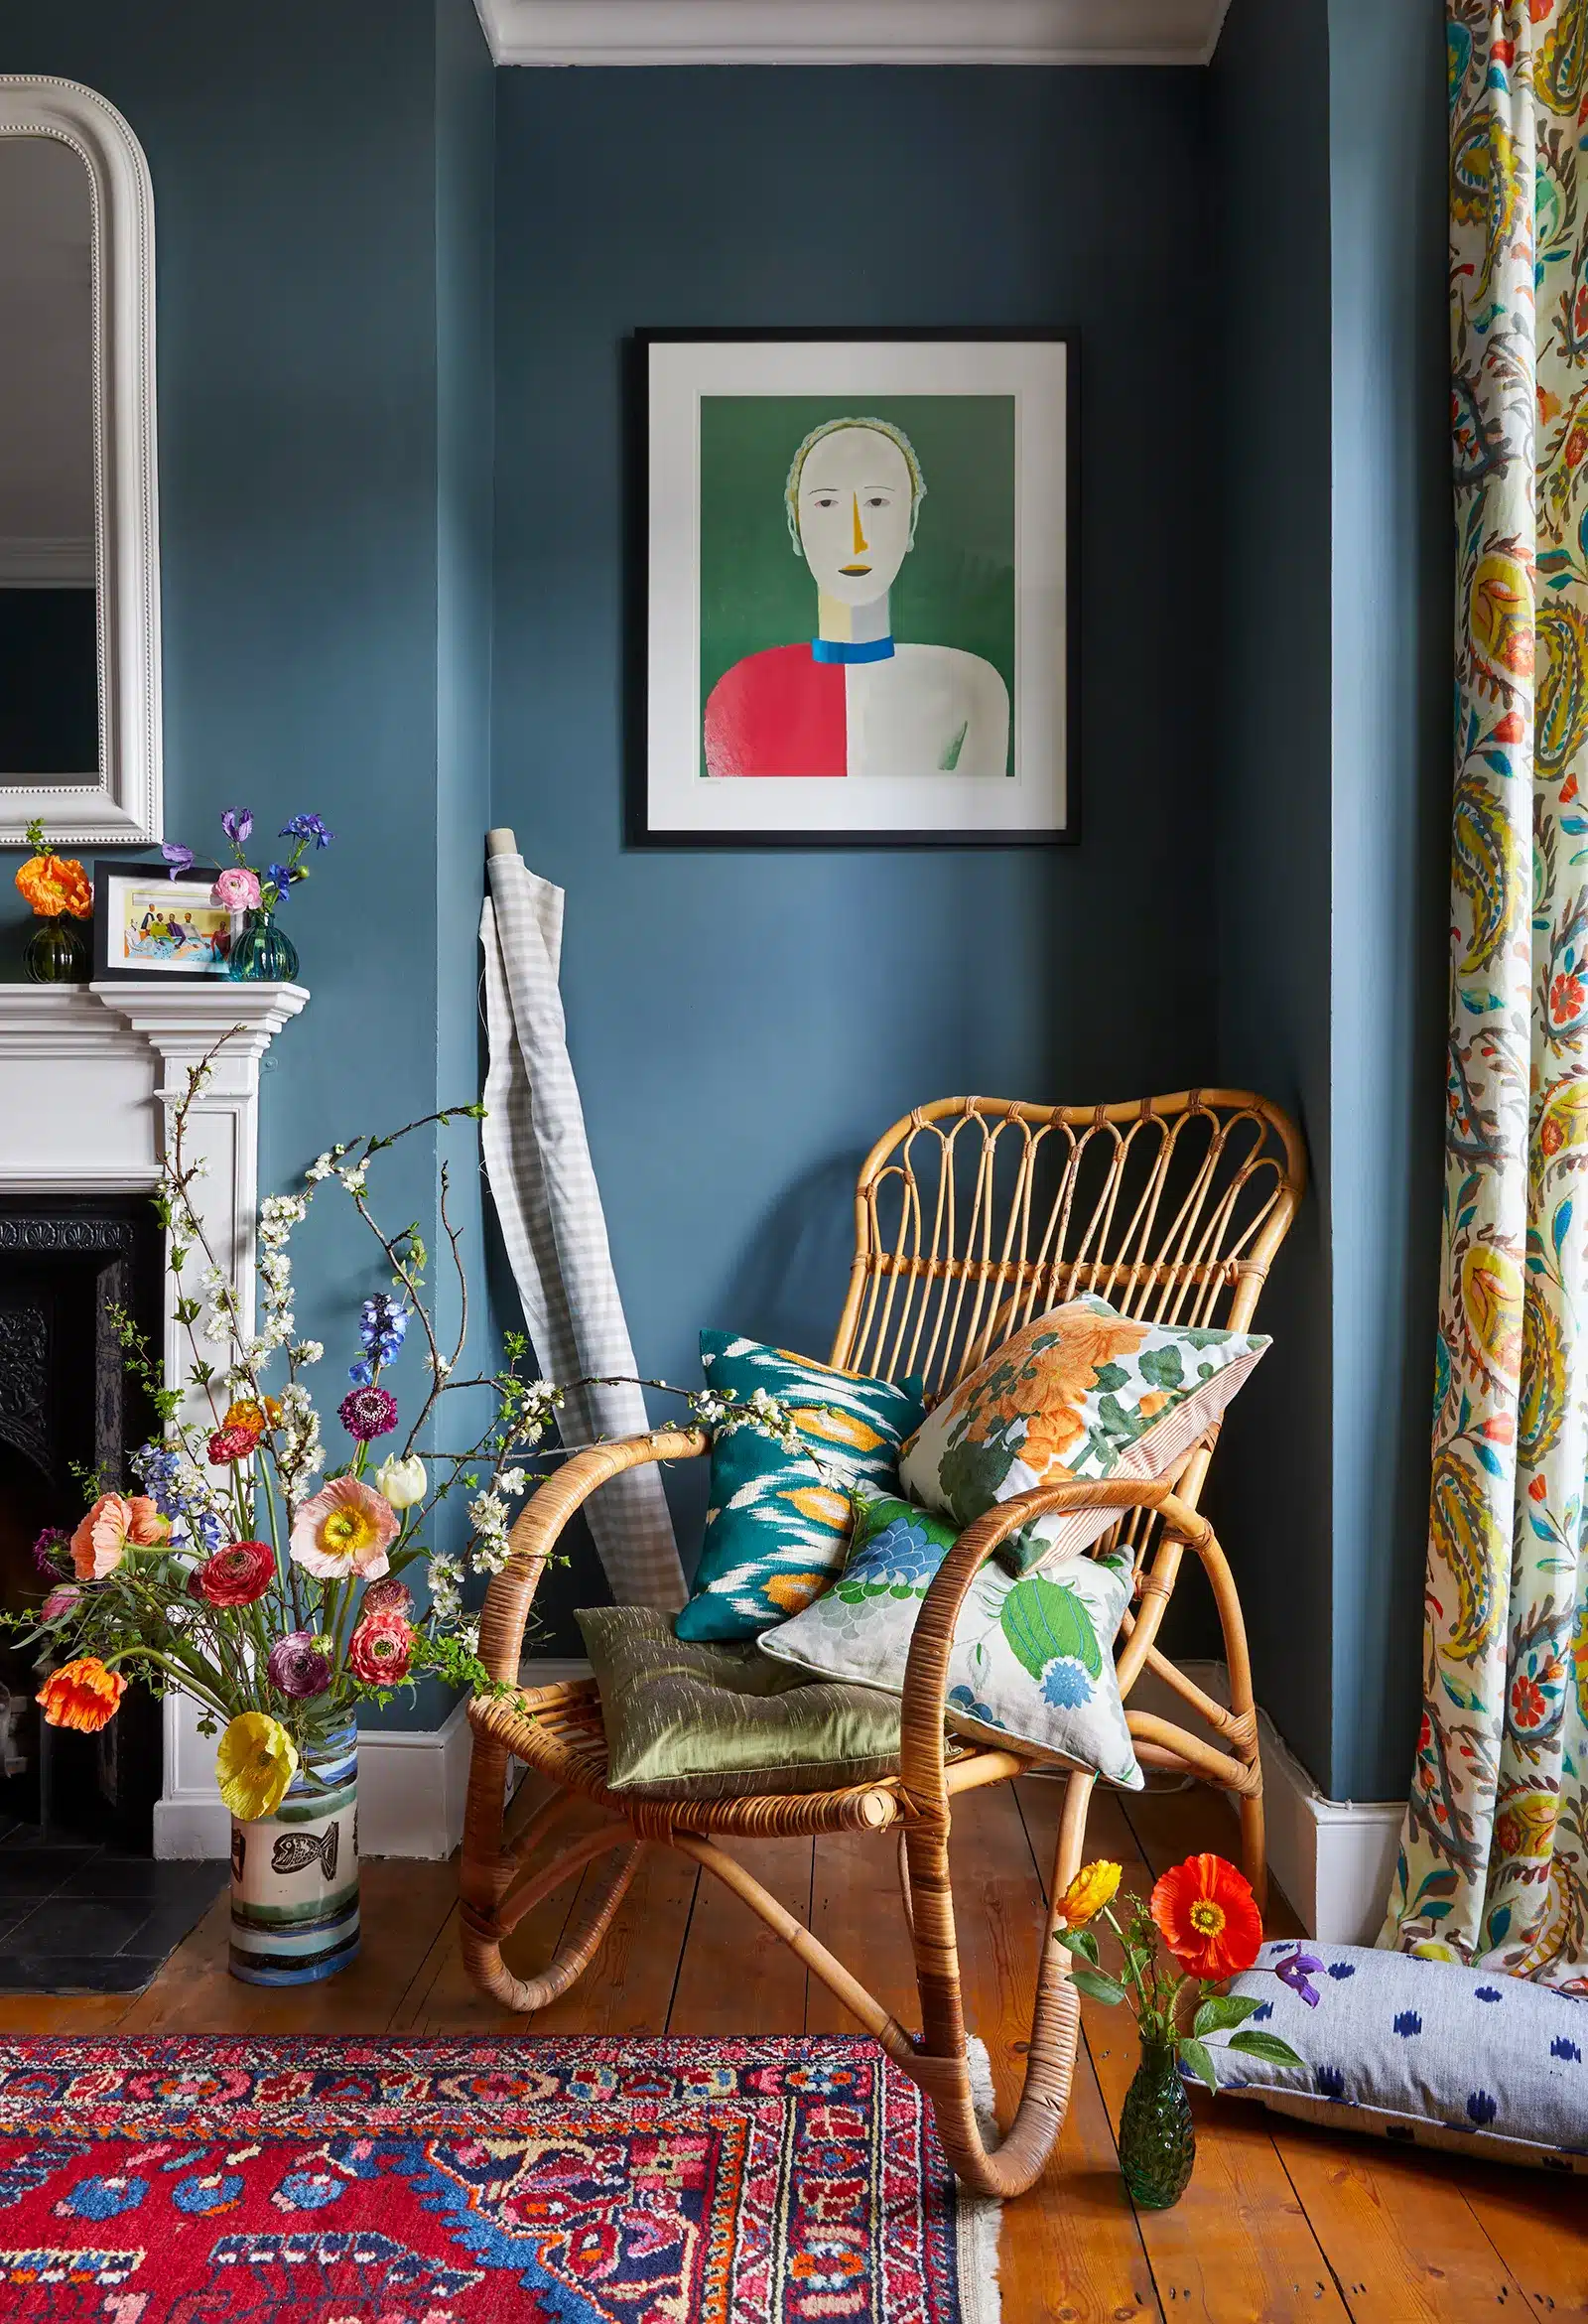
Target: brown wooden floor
column 1279, row 2221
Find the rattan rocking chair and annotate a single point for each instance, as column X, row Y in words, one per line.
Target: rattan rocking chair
column 972, row 1216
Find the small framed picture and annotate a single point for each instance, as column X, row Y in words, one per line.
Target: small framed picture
column 148, row 925
column 855, row 602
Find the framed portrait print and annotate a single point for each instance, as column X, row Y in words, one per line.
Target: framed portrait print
column 857, row 615
column 148, row 925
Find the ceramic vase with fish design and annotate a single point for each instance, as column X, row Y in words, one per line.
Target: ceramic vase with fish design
column 295, row 1874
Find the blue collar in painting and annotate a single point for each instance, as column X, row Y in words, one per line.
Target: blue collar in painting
column 833, row 649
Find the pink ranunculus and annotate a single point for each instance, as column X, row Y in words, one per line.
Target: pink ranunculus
column 100, row 1541
column 381, row 1649
column 238, row 889
column 345, row 1531
column 60, row 1602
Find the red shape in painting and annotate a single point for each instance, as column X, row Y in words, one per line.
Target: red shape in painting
column 780, row 712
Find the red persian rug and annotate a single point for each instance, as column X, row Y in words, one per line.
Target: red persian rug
column 389, row 2181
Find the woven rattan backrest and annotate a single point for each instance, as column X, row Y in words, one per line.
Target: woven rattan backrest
column 976, row 1215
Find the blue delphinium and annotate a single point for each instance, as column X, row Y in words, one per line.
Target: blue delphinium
column 308, row 827
column 382, row 1324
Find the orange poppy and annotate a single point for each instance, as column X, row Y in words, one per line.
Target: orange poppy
column 53, row 884
column 81, row 1694
column 1208, row 1917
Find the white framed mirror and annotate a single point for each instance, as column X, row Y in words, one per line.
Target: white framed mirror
column 79, row 534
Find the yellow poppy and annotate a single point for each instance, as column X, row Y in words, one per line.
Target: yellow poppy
column 1092, row 1888
column 255, row 1760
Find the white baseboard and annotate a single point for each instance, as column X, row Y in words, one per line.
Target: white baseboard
column 1334, row 1859
column 411, row 1787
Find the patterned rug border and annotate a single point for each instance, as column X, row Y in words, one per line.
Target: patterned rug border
column 683, row 2062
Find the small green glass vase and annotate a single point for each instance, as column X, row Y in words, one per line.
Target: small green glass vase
column 1157, row 2138
column 55, row 953
column 262, row 953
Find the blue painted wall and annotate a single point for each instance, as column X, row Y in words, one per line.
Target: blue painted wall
column 1270, row 1489
column 744, row 1024
column 1393, row 631
column 1329, row 134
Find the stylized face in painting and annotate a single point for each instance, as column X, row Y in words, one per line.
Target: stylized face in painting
column 856, row 509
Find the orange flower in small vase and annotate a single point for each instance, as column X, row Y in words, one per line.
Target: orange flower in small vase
column 83, row 1695
column 1208, row 1917
column 53, row 884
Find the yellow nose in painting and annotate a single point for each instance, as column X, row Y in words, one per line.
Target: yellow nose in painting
column 863, row 546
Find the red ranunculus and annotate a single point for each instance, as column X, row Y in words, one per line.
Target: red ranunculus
column 229, row 1445
column 1208, row 1917
column 381, row 1649
column 235, row 1577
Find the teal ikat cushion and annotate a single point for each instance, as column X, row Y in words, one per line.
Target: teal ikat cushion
column 1031, row 1666
column 1421, row 2052
column 779, row 1521
column 1081, row 1392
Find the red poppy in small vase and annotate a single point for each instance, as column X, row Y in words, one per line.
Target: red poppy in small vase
column 1204, row 1911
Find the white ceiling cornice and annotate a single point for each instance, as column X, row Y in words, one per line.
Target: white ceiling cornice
column 851, row 32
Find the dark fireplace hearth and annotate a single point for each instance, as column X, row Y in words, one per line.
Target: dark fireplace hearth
column 67, row 1411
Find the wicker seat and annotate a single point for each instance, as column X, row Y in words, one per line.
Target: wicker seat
column 972, row 1216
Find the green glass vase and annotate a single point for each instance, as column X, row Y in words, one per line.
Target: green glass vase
column 1157, row 2138
column 262, row 953
column 55, row 953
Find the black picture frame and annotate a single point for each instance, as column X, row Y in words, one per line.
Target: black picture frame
column 192, row 885
column 639, row 830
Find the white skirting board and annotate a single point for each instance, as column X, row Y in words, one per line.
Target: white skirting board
column 1334, row 1859
column 412, row 1784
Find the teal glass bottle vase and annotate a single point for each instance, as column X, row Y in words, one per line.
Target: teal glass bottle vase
column 1158, row 2136
column 262, row 953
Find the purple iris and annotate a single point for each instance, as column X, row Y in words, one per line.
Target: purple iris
column 297, row 1665
column 236, row 823
column 1296, row 1971
column 178, row 858
column 308, row 827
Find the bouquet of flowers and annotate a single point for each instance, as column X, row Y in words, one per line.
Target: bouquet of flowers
column 244, row 886
column 274, row 1589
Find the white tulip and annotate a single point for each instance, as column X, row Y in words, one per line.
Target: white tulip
column 402, row 1482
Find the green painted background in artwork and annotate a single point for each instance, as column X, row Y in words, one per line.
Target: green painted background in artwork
column 956, row 586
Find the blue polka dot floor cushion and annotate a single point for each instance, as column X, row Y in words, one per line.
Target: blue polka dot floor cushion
column 779, row 1520
column 1425, row 2052
column 1031, row 1666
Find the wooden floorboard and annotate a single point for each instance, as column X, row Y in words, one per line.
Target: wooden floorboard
column 1281, row 2219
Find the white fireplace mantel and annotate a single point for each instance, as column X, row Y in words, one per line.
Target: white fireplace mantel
column 87, row 1075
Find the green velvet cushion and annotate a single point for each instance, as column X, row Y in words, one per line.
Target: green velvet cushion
column 779, row 1522
column 717, row 1720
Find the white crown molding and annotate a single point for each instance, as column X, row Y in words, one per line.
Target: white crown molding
column 46, row 563
column 851, row 32
column 126, row 803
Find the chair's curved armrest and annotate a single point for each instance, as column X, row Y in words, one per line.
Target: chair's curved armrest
column 541, row 1521
column 926, row 1672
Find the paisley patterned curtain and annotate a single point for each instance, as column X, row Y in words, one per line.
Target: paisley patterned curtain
column 1493, row 1857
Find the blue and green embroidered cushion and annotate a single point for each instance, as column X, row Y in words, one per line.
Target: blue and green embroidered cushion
column 1033, row 1659
column 1081, row 1392
column 779, row 1522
